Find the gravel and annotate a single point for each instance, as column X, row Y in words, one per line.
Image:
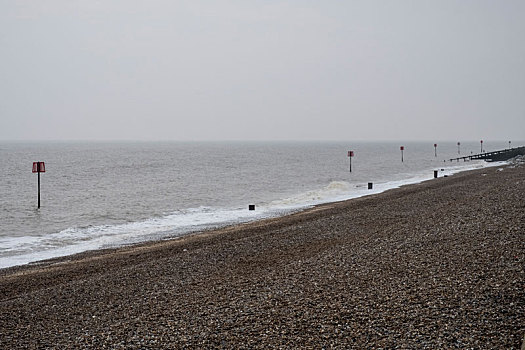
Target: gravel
column 429, row 266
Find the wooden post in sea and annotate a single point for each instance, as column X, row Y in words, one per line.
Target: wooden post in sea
column 350, row 155
column 39, row 167
column 402, row 148
column 435, row 150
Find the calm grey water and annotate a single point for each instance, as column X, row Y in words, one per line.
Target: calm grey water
column 96, row 195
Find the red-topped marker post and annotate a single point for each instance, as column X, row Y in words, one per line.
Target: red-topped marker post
column 39, row 167
column 350, row 155
column 402, row 148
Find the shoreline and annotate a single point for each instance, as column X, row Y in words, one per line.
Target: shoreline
column 411, row 267
column 220, row 226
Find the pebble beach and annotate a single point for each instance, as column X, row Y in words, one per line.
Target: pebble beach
column 436, row 265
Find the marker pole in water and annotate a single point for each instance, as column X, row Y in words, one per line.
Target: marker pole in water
column 39, row 167
column 459, row 144
column 39, row 189
column 435, row 150
column 402, row 148
column 350, row 155
column 481, row 151
column 509, row 144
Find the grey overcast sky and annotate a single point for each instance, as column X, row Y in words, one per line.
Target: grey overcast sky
column 262, row 70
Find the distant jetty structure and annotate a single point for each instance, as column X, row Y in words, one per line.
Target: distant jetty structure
column 495, row 156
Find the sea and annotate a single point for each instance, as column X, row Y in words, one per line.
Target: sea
column 97, row 195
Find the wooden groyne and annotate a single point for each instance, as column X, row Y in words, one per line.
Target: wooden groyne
column 495, row 156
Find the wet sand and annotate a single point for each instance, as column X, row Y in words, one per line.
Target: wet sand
column 429, row 266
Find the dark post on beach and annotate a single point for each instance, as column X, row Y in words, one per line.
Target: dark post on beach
column 435, row 150
column 39, row 167
column 350, row 155
column 402, row 148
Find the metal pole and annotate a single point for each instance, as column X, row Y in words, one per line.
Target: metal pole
column 38, row 165
column 350, row 164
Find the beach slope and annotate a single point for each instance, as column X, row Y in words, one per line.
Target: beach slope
column 434, row 265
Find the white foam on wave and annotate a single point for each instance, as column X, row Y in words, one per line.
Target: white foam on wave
column 342, row 190
column 22, row 250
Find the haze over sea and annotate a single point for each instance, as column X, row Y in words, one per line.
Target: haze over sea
column 101, row 195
